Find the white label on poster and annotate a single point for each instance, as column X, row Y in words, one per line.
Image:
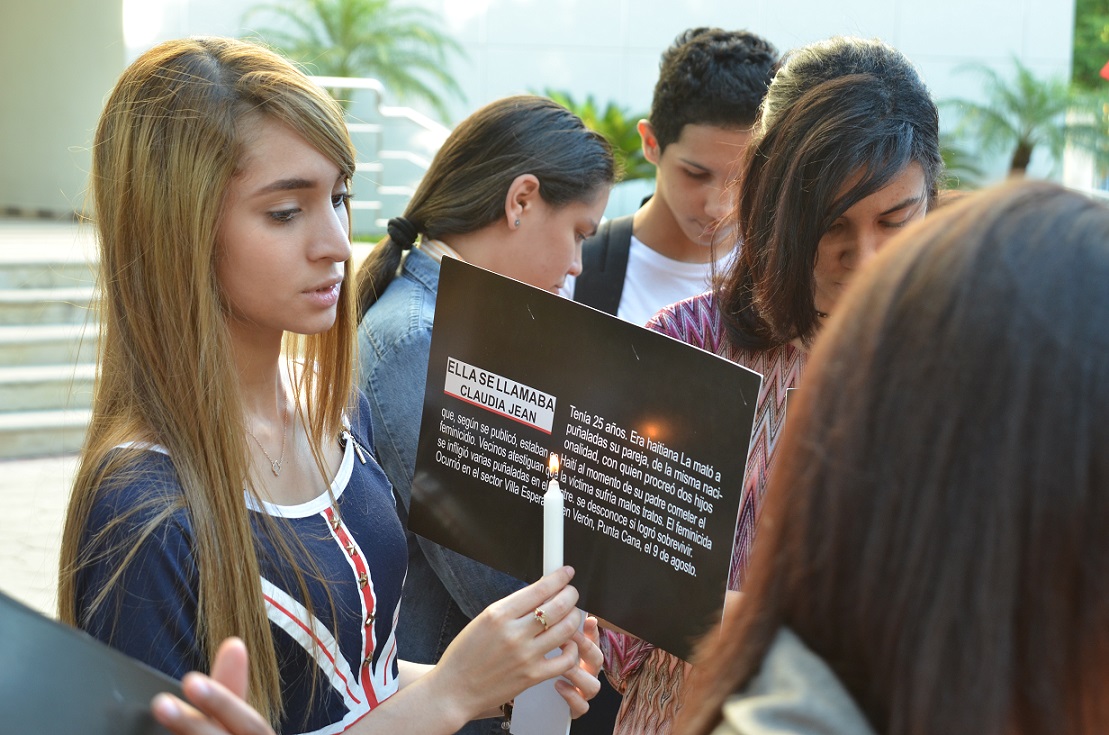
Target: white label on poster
column 500, row 395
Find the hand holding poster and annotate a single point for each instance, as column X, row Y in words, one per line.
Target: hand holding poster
column 652, row 435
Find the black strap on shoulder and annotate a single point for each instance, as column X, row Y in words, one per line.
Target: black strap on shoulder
column 604, row 263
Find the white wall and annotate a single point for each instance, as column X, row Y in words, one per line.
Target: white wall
column 62, row 56
column 610, row 48
column 60, row 59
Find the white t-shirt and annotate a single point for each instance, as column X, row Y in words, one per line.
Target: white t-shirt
column 653, row 281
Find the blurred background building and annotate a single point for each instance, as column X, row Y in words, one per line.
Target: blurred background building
column 63, row 55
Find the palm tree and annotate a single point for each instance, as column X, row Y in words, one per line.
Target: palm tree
column 398, row 45
column 617, row 125
column 961, row 167
column 1024, row 113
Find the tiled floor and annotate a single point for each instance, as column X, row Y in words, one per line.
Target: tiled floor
column 34, row 492
column 33, row 497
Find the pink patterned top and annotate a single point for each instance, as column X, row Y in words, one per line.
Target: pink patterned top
column 651, row 680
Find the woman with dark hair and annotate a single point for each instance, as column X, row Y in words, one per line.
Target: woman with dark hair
column 845, row 154
column 516, row 189
column 932, row 556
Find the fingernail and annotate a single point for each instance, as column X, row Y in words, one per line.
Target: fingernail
column 202, row 687
column 197, row 685
column 165, row 707
column 569, row 570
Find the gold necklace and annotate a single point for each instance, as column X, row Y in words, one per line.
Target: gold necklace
column 275, row 465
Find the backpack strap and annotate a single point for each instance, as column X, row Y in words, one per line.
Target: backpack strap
column 604, row 263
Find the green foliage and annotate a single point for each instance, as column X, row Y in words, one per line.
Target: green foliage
column 617, row 125
column 1091, row 44
column 1024, row 113
column 398, row 45
column 961, row 165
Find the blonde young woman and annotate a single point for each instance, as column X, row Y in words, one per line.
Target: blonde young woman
column 226, row 488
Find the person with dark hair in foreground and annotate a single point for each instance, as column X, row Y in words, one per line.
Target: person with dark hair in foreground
column 932, row 558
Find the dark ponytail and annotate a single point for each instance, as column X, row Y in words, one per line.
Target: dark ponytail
column 464, row 190
column 385, row 258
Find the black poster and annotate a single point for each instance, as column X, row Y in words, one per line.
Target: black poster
column 57, row 679
column 652, row 435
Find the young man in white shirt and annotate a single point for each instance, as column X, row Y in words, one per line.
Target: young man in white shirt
column 710, row 85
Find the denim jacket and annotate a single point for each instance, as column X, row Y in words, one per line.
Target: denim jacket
column 444, row 589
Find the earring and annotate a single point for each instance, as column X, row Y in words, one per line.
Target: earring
column 516, row 223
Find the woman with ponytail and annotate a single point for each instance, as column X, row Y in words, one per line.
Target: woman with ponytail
column 515, row 189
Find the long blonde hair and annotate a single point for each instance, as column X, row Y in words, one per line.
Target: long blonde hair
column 167, row 145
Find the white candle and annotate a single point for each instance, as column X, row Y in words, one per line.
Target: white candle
column 541, row 710
column 552, row 521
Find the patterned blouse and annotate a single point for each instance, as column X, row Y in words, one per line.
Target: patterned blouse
column 651, row 680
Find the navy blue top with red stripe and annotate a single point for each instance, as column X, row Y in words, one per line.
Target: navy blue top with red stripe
column 333, row 669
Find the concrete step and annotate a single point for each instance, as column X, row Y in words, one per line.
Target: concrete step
column 46, row 274
column 46, row 387
column 71, row 305
column 42, row 433
column 48, row 331
column 50, row 344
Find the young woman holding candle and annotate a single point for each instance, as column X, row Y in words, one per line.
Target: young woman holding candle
column 515, row 189
column 845, row 153
column 932, row 558
column 229, row 484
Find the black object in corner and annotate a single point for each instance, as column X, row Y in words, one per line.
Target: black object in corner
column 58, row 680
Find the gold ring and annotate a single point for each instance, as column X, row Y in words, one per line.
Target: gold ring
column 541, row 617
